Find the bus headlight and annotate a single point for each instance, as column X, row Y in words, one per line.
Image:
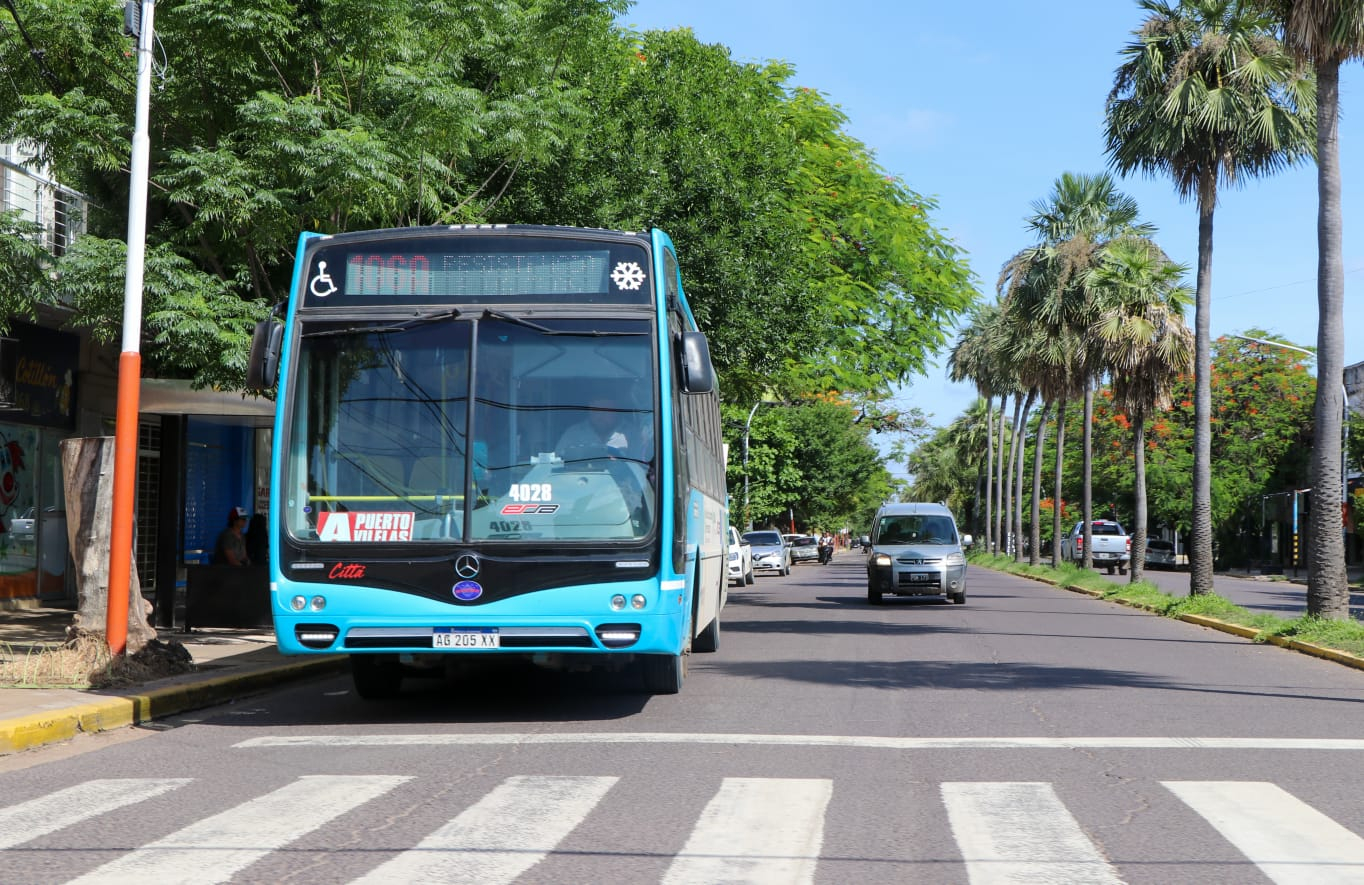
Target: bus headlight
column 617, row 603
column 638, row 601
column 318, row 603
column 298, row 603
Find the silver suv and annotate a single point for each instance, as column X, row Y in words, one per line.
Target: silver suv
column 916, row 551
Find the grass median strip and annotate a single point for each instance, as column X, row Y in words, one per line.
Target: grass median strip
column 1343, row 635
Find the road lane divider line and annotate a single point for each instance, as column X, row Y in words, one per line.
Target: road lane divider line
column 868, row 742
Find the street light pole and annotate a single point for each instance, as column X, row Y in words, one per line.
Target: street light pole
column 1344, row 428
column 130, row 360
column 748, row 522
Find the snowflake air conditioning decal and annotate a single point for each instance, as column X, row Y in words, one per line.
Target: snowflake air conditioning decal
column 627, row 275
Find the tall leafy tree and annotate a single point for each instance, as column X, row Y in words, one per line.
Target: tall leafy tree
column 810, row 267
column 275, row 116
column 1262, row 435
column 1326, row 34
column 1147, row 347
column 1207, row 96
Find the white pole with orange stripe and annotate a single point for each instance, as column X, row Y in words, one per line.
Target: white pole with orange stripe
column 130, row 360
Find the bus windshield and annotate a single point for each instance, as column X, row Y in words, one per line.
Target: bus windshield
column 481, row 428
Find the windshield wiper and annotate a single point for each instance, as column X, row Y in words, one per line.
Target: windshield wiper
column 490, row 314
column 384, row 328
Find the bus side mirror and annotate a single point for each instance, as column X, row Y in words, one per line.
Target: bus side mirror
column 262, row 366
column 698, row 374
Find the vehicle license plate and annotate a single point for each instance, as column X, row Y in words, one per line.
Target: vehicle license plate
column 923, row 578
column 449, row 637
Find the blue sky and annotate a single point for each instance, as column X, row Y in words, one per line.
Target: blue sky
column 983, row 106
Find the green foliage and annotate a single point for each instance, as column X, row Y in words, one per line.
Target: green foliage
column 274, row 116
column 950, row 466
column 196, row 324
column 24, row 269
column 807, row 266
column 811, row 460
column 1261, row 419
column 886, row 283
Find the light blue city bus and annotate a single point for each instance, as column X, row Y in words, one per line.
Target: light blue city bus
column 493, row 440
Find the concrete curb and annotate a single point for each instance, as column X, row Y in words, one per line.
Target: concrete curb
column 1307, row 648
column 37, row 729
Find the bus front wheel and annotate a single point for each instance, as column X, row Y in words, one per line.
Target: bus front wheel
column 663, row 674
column 375, row 677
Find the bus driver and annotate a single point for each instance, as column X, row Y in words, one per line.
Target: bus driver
column 602, row 428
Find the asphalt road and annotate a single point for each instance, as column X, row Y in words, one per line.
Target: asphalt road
column 1031, row 735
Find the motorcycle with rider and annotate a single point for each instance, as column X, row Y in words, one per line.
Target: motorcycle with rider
column 826, row 548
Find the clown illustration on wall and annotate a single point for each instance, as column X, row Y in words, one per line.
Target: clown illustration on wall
column 12, row 462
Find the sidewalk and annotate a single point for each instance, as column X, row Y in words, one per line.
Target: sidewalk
column 229, row 664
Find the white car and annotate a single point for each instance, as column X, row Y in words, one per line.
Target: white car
column 740, row 558
column 1160, row 554
column 21, row 526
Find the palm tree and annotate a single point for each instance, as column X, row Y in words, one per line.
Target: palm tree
column 1146, row 345
column 1326, row 33
column 1206, row 95
column 965, row 436
column 974, row 359
column 1044, row 285
column 1035, row 515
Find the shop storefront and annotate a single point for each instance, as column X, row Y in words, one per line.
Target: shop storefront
column 38, row 372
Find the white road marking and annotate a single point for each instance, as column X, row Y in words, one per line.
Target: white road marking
column 47, row 814
column 1290, row 841
column 806, row 740
column 1014, row 833
column 756, row 830
column 216, row 848
column 501, row 836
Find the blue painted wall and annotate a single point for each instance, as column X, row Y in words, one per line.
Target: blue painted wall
column 218, row 477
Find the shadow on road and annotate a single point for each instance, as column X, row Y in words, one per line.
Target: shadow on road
column 983, row 676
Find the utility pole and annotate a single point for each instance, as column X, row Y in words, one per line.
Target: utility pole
column 138, row 22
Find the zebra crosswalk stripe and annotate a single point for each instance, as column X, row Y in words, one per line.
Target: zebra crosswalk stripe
column 756, row 830
column 1290, row 841
column 217, row 847
column 501, row 836
column 1012, row 833
column 47, row 814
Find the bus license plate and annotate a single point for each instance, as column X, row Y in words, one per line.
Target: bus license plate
column 448, row 637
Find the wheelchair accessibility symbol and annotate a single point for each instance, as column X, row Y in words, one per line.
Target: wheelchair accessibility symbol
column 322, row 284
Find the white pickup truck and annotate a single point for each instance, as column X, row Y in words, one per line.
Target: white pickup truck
column 1112, row 547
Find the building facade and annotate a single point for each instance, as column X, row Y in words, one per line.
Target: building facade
column 199, row 452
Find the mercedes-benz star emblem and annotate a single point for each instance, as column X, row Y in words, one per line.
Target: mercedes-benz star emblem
column 466, row 566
